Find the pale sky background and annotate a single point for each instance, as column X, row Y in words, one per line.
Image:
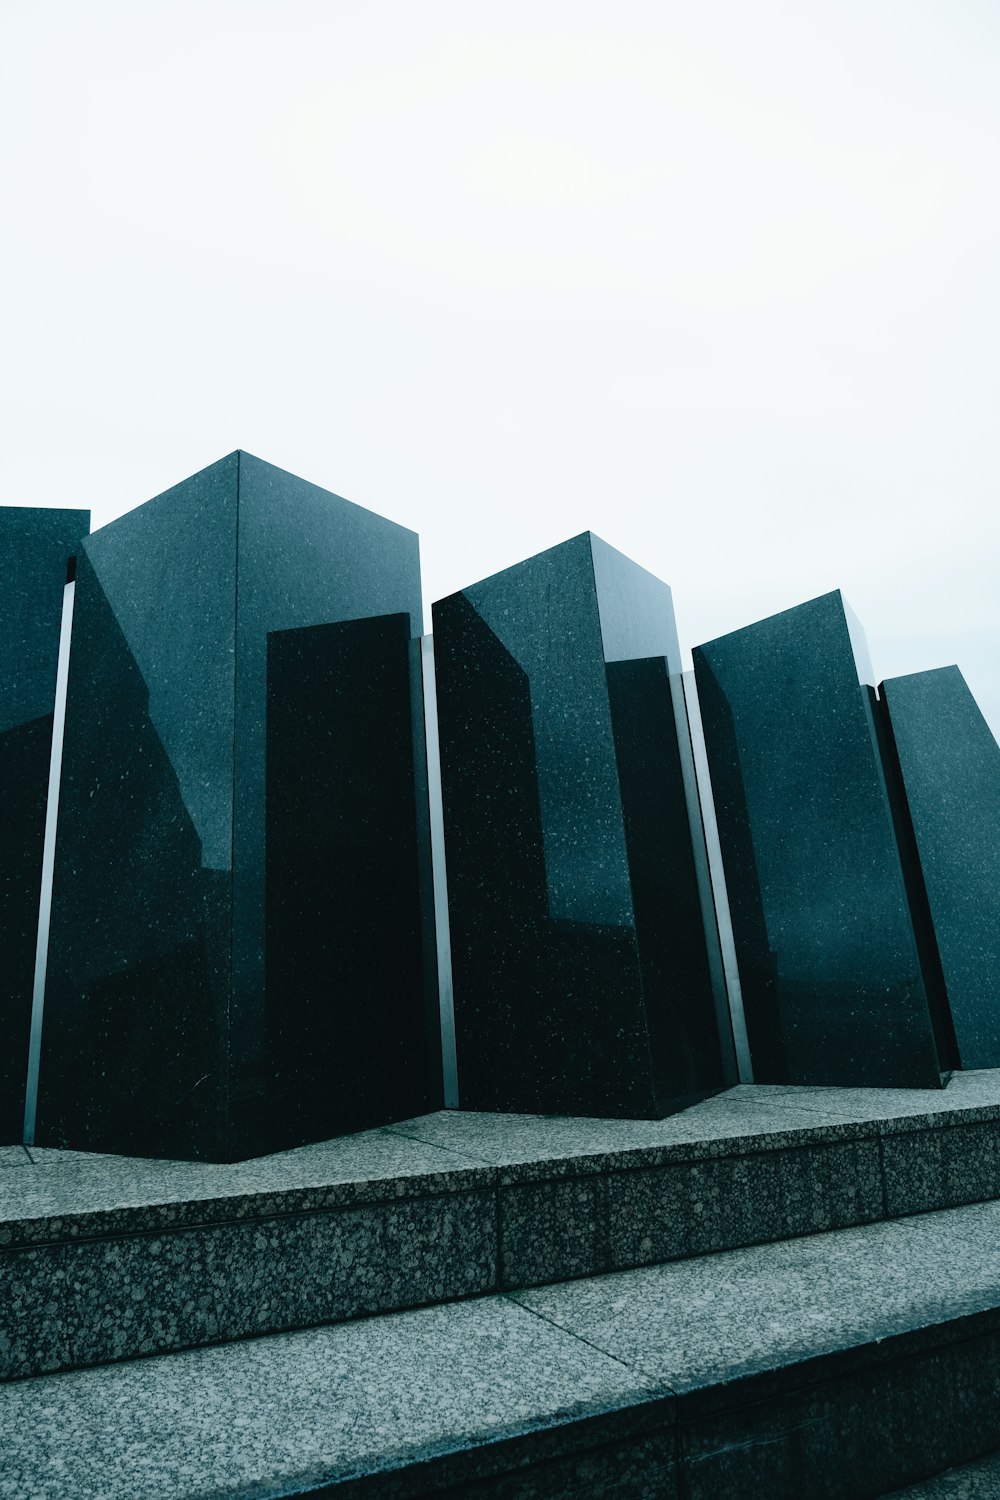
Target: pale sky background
column 719, row 281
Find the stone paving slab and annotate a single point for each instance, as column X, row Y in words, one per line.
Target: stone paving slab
column 836, row 1365
column 839, row 1367
column 415, row 1400
column 699, row 1323
column 540, row 1147
column 74, row 1195
column 976, row 1088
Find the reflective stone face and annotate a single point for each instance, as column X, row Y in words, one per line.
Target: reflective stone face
column 580, row 964
column 36, row 547
column 240, row 729
column 949, row 763
column 833, row 987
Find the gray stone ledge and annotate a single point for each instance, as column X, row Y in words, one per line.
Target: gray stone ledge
column 109, row 1258
column 410, row 1402
column 78, row 1196
column 843, row 1365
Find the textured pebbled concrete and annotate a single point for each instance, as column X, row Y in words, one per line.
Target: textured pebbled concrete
column 105, row 1258
column 843, row 1365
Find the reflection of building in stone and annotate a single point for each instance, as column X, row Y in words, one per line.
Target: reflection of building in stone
column 37, row 545
column 183, row 807
column 248, row 908
column 949, row 766
column 833, row 985
column 581, row 972
column 342, row 868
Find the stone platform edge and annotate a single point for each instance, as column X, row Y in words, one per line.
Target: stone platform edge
column 107, row 1259
column 676, row 1379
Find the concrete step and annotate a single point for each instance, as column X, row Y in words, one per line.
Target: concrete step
column 844, row 1364
column 105, row 1258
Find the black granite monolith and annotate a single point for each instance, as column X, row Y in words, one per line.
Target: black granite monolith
column 37, row 545
column 581, row 967
column 833, row 985
column 949, row 766
column 237, row 959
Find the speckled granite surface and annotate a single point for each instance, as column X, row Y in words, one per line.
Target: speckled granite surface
column 86, row 1194
column 715, row 1318
column 105, row 1258
column 836, row 1365
column 136, row 1257
column 757, row 1163
column 840, row 1366
column 523, row 1147
column 282, row 1415
column 979, row 1480
column 751, row 1115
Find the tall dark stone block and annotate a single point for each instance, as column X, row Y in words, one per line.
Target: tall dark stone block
column 237, row 960
column 833, row 986
column 36, row 546
column 581, row 968
column 949, row 765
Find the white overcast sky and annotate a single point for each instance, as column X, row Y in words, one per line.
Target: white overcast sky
column 718, row 280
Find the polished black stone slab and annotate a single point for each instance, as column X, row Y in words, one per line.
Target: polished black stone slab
column 833, row 985
column 580, row 962
column 240, row 779
column 36, row 546
column 949, row 765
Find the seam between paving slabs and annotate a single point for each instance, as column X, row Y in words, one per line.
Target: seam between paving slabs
column 866, row 1131
column 658, row 1388
column 606, row 1353
column 811, row 1372
column 494, row 1183
column 658, row 1391
column 62, row 1248
column 407, row 1135
column 687, row 1153
column 853, row 1355
column 655, row 1387
column 221, row 1219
